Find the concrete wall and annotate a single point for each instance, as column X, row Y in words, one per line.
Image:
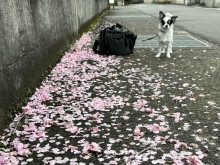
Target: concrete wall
column 32, row 33
column 217, row 3
column 206, row 3
column 209, row 3
column 212, row 3
column 146, row 1
column 178, row 1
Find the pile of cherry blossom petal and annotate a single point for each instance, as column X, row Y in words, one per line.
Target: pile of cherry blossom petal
column 91, row 109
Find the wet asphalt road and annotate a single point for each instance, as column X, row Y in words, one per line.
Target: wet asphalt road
column 201, row 21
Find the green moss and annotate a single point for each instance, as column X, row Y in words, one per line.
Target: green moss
column 94, row 22
column 17, row 106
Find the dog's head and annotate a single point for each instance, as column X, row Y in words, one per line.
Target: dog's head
column 166, row 20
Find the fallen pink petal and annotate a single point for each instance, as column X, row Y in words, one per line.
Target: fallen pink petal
column 120, row 109
column 137, row 132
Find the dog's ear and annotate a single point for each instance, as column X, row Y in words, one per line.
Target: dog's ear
column 161, row 15
column 173, row 18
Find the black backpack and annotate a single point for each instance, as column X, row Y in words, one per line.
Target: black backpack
column 115, row 40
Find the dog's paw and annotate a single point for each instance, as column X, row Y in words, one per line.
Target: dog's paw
column 158, row 55
column 168, row 56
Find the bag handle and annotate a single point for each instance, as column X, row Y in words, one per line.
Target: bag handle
column 121, row 26
column 95, row 46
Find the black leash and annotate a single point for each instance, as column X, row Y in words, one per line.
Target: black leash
column 151, row 38
column 121, row 26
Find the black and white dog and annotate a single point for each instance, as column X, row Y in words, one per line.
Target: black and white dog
column 165, row 33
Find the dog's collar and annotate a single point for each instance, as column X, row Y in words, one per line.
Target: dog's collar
column 160, row 30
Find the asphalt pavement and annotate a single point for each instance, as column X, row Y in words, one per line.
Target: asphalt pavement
column 201, row 21
column 134, row 109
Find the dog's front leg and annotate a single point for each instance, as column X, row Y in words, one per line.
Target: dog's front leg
column 163, row 49
column 169, row 49
column 160, row 45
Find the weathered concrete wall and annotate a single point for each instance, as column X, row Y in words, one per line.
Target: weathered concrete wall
column 217, row 3
column 209, row 3
column 32, row 32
